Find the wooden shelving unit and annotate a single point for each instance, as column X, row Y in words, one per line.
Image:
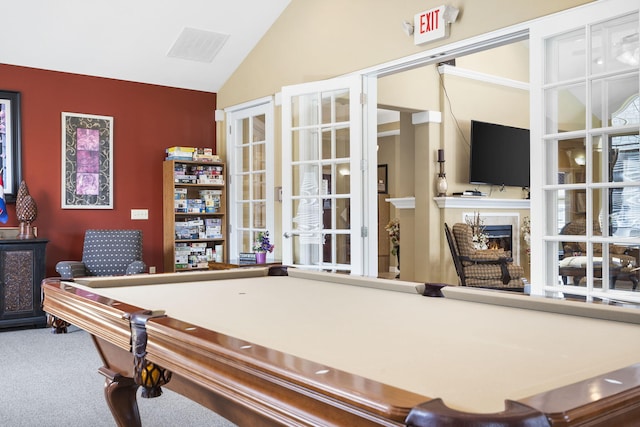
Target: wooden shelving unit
column 199, row 226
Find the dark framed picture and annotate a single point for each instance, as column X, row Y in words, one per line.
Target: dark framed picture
column 87, row 161
column 382, row 179
column 10, row 143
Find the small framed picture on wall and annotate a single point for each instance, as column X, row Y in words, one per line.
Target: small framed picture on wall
column 382, row 179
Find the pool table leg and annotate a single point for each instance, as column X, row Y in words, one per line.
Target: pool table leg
column 120, row 392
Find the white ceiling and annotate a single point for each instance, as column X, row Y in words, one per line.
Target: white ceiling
column 130, row 39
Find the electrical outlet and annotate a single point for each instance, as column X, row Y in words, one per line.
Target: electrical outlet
column 139, row 214
column 152, row 269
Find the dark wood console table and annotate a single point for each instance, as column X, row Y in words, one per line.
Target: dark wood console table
column 22, row 269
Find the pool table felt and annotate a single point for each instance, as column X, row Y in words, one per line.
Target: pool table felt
column 472, row 355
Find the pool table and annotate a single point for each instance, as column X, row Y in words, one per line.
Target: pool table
column 278, row 346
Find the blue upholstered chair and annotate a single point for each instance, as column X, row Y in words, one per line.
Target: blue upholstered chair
column 106, row 253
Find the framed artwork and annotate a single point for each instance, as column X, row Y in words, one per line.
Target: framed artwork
column 10, row 143
column 382, row 179
column 87, row 161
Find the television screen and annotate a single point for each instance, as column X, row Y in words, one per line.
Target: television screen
column 499, row 155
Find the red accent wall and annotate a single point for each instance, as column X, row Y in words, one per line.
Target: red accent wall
column 147, row 119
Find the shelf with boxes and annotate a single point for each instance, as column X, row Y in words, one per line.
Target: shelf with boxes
column 194, row 209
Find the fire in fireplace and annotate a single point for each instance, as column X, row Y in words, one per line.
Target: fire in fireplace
column 500, row 237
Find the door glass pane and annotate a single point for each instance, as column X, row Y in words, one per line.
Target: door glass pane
column 342, row 143
column 343, row 213
column 244, row 158
column 246, row 187
column 565, row 57
column 629, row 112
column 343, row 248
column 614, row 45
column 624, row 261
column 571, row 161
column 259, row 189
column 304, row 145
column 327, row 144
column 259, row 156
column 565, row 108
column 244, row 132
column 625, row 201
column 307, row 217
column 575, row 204
column 306, row 248
column 615, row 102
column 335, row 106
column 304, row 110
column 343, row 179
column 305, row 180
column 259, row 128
column 246, row 214
column 245, row 241
column 259, row 214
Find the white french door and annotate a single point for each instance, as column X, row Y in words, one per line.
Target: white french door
column 585, row 133
column 251, row 174
column 322, row 176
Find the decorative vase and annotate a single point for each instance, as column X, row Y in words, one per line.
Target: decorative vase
column 441, row 185
column 26, row 211
column 261, row 257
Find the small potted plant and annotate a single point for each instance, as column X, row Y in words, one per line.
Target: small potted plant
column 261, row 246
column 393, row 228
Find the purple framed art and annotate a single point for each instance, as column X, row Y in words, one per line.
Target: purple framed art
column 87, row 161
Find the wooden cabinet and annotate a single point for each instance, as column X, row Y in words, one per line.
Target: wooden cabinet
column 22, row 268
column 194, row 219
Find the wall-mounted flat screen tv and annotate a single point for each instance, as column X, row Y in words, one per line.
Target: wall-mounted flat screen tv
column 499, row 155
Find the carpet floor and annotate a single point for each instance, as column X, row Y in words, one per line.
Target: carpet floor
column 49, row 380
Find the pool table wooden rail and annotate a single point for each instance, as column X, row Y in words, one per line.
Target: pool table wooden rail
column 244, row 382
column 255, row 385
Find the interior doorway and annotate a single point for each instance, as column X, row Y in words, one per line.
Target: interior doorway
column 468, row 87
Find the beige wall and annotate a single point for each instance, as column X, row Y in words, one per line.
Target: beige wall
column 319, row 39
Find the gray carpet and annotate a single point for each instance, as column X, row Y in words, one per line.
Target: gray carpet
column 51, row 380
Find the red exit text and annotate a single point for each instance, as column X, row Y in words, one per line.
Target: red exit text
column 429, row 21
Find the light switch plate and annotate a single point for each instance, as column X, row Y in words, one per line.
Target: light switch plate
column 139, row 214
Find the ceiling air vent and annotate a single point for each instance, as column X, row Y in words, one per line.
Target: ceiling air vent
column 197, row 45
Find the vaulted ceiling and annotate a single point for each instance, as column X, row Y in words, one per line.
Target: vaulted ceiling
column 191, row 44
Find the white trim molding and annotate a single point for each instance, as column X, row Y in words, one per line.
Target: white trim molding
column 403, row 202
column 487, row 78
column 481, row 202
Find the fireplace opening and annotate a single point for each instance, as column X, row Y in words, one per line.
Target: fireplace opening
column 500, row 237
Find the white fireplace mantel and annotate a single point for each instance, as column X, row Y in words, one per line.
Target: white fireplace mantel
column 481, row 203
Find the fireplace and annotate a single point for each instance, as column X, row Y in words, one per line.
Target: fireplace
column 498, row 225
column 500, row 237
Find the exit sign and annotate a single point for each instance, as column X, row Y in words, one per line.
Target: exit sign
column 429, row 25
